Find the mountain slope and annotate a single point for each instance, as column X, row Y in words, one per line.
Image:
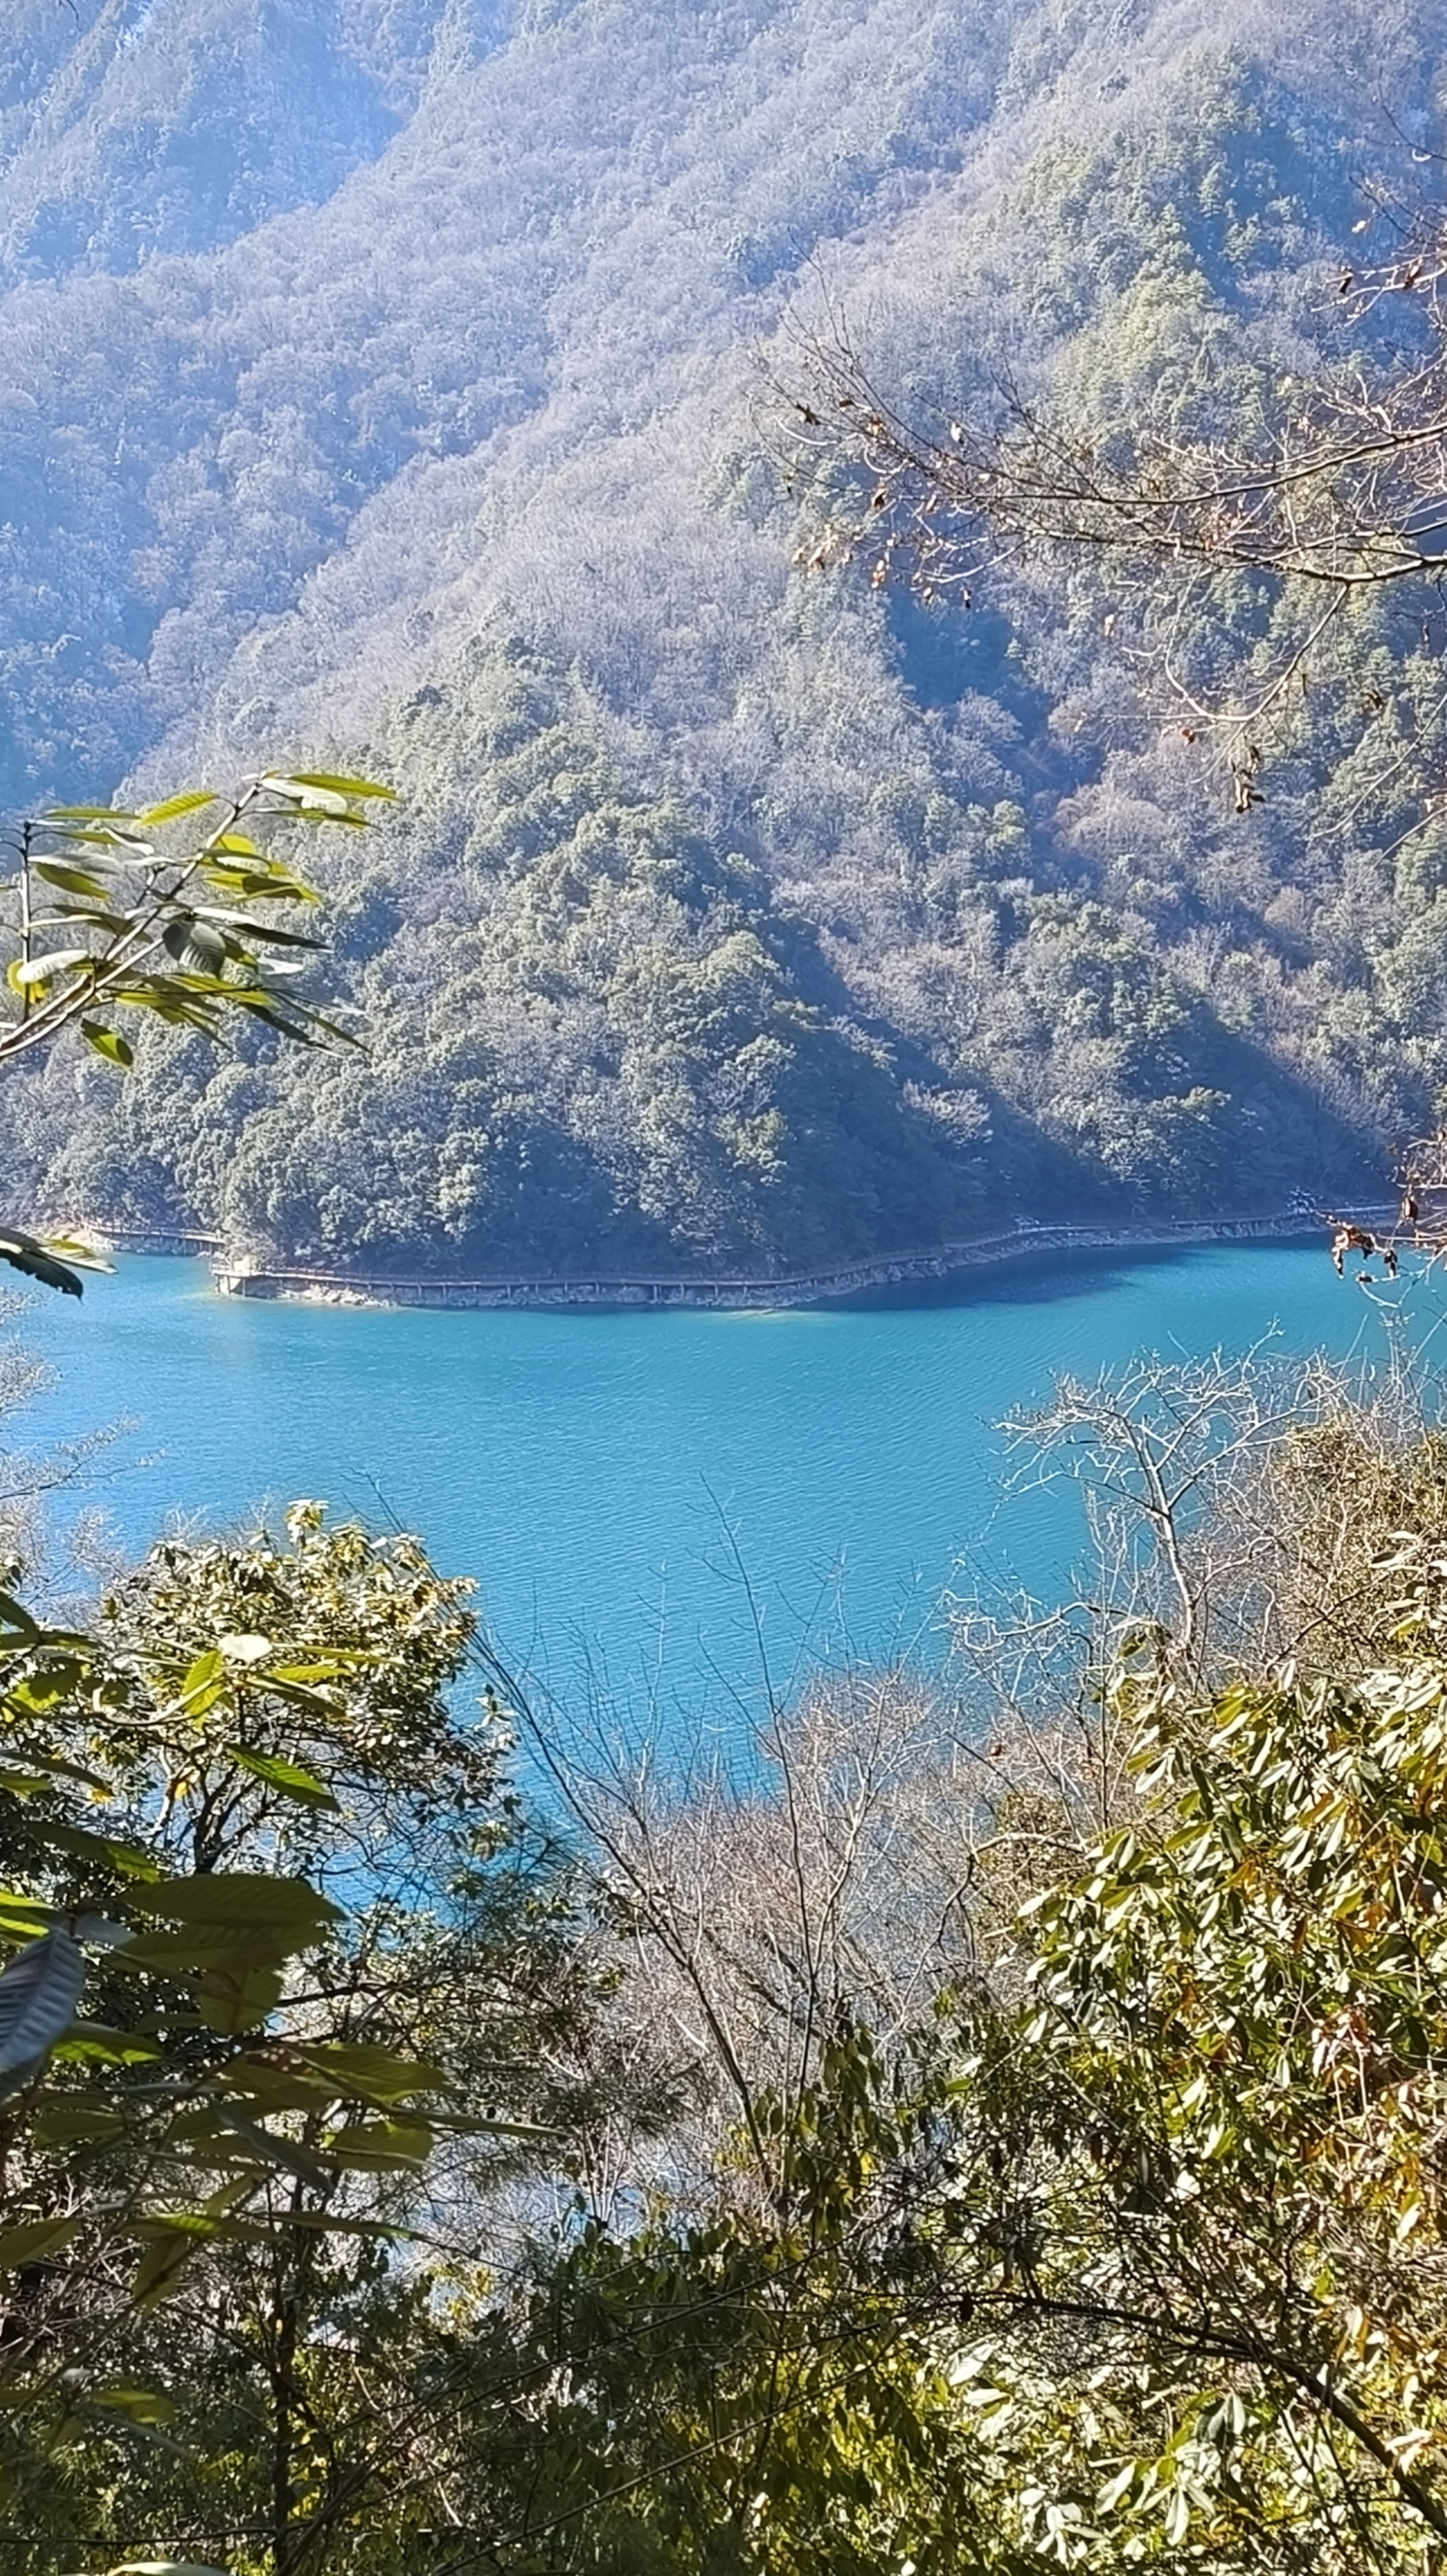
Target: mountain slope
column 333, row 473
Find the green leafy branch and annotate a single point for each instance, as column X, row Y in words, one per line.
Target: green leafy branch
column 107, row 918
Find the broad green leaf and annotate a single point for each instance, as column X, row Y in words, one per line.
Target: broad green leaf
column 67, row 2124
column 34, row 2238
column 237, row 845
column 93, row 2044
column 126, row 1858
column 39, row 1991
column 213, row 1950
column 372, row 2073
column 268, row 2087
column 162, row 2264
column 142, row 2405
column 343, row 786
column 74, row 880
column 106, row 1042
column 282, row 2152
column 206, row 1681
column 277, row 887
column 381, row 2146
column 240, row 1899
column 288, row 1777
column 233, row 2000
column 24, row 1918
column 190, row 803
column 57, row 1680
column 88, row 814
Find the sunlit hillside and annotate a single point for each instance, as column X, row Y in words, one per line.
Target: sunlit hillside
column 412, row 383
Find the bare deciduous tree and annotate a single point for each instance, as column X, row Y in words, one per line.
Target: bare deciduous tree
column 1331, row 483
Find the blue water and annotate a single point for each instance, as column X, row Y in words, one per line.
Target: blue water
column 663, row 1509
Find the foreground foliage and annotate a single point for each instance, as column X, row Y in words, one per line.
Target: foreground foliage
column 240, row 1809
column 360, row 2221
column 1146, row 2266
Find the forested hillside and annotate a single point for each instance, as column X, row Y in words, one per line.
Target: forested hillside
column 410, row 386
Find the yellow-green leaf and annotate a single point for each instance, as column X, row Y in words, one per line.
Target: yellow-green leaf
column 106, row 1042
column 341, row 786
column 175, row 806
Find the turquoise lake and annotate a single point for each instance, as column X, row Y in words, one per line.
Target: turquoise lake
column 656, row 1506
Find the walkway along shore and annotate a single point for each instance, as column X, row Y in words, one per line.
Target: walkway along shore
column 235, row 1275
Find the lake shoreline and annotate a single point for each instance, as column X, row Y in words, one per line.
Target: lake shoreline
column 240, row 1278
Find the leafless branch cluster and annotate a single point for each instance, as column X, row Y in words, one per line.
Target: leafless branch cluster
column 1346, row 488
column 1330, row 484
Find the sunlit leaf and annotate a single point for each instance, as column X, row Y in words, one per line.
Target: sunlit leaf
column 141, row 2405
column 244, row 1648
column 73, row 880
column 288, row 1777
column 35, row 971
column 106, row 1042
column 190, row 803
column 270, row 933
column 206, row 1681
column 314, row 800
column 343, row 786
column 93, row 2044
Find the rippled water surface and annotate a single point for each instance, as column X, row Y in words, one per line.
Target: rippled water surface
column 660, row 1503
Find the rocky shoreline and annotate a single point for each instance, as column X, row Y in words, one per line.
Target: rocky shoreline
column 236, row 1275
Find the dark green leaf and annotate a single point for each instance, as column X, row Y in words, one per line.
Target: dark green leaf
column 34, row 2238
